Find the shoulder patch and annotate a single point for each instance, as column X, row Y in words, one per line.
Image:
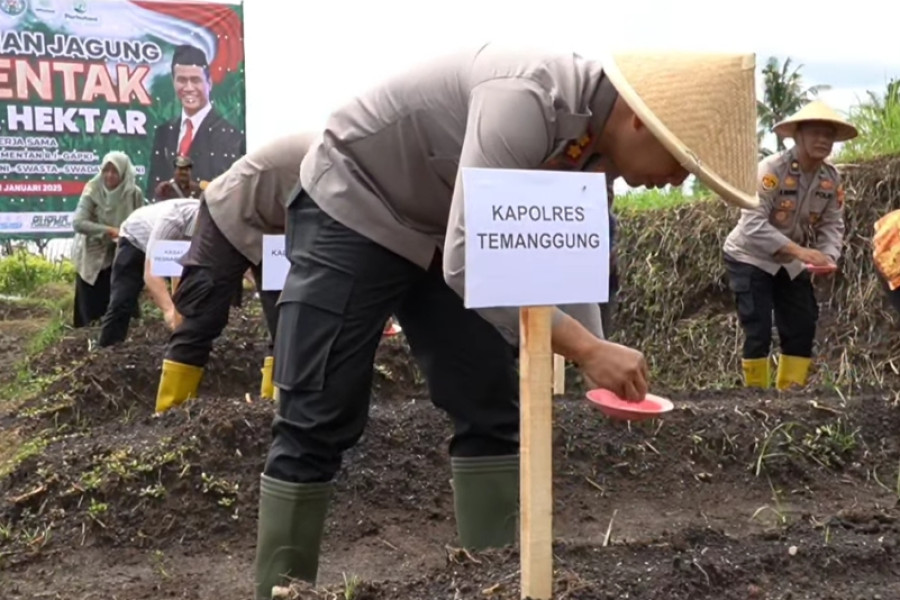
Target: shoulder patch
column 769, row 182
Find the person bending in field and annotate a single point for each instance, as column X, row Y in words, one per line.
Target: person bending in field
column 236, row 209
column 139, row 233
column 799, row 222
column 376, row 227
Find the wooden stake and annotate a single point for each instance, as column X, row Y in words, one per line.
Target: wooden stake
column 536, row 448
column 559, row 374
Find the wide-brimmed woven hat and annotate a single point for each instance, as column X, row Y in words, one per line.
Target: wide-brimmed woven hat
column 816, row 111
column 702, row 108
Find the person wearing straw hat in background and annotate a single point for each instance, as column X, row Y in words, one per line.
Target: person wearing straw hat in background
column 799, row 222
column 236, row 209
column 377, row 228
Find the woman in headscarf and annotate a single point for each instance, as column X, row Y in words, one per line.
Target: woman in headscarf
column 108, row 198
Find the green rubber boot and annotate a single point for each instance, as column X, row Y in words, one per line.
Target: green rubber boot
column 486, row 500
column 289, row 535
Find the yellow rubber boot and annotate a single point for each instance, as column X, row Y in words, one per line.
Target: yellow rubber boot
column 792, row 370
column 177, row 383
column 266, row 388
column 756, row 372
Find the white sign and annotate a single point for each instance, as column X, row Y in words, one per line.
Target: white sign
column 275, row 264
column 535, row 238
column 164, row 257
column 36, row 222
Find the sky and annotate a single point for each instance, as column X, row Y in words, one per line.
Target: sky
column 303, row 59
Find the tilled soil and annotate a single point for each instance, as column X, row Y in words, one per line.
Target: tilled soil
column 735, row 495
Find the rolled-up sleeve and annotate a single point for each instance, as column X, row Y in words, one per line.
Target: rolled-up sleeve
column 506, row 129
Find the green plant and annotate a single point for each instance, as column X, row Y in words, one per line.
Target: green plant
column 878, row 122
column 23, row 273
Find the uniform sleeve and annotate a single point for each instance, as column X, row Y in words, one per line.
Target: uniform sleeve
column 506, row 128
column 763, row 237
column 830, row 229
column 83, row 222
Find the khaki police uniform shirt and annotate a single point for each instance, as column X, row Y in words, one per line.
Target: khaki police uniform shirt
column 249, row 200
column 804, row 208
column 388, row 164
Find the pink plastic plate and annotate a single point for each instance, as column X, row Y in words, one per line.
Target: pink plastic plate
column 391, row 331
column 613, row 406
column 821, row 270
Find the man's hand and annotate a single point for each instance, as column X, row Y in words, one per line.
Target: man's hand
column 617, row 368
column 112, row 232
column 815, row 258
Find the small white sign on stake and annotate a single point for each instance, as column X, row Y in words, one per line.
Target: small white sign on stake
column 275, row 265
column 535, row 238
column 164, row 257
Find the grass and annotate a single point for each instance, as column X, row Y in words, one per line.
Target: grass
column 654, row 199
column 878, row 123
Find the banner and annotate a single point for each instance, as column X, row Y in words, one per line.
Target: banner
column 80, row 78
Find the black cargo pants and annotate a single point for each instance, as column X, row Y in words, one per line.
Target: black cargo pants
column 212, row 270
column 758, row 294
column 126, row 285
column 339, row 293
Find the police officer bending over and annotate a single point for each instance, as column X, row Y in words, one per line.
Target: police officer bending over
column 236, row 210
column 378, row 229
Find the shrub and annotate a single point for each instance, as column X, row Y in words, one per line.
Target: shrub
column 23, row 273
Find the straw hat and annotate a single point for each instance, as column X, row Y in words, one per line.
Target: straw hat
column 702, row 108
column 816, row 111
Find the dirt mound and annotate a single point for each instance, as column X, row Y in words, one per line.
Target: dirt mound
column 691, row 565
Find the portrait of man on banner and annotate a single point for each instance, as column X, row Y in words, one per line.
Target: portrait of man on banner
column 199, row 132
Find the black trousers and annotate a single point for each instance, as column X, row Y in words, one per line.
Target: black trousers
column 213, row 269
column 758, row 294
column 127, row 283
column 340, row 291
column 91, row 300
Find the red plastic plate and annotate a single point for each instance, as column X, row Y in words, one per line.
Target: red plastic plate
column 615, row 407
column 821, row 270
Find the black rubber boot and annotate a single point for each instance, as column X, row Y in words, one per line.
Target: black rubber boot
column 486, row 500
column 289, row 535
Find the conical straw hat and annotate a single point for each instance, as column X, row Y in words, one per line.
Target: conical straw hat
column 816, row 111
column 702, row 108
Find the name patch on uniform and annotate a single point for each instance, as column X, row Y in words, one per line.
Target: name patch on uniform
column 784, row 192
column 769, row 182
column 826, row 195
